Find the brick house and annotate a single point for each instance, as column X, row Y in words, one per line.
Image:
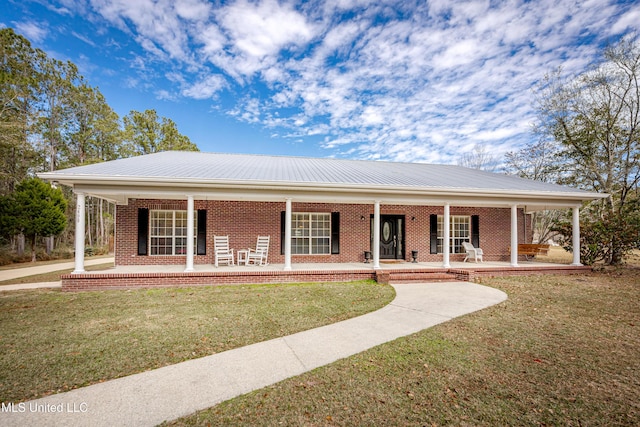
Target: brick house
column 171, row 204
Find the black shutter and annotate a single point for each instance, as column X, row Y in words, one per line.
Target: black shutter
column 282, row 224
column 475, row 231
column 201, row 240
column 143, row 231
column 433, row 233
column 335, row 233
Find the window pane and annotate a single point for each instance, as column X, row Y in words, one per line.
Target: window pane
column 311, row 233
column 168, row 231
column 299, row 246
column 320, row 246
column 459, row 227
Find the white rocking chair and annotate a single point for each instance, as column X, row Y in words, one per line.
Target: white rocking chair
column 476, row 253
column 222, row 253
column 261, row 252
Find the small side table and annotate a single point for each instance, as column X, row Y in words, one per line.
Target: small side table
column 243, row 256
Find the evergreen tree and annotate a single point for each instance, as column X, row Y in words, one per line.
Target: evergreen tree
column 147, row 133
column 35, row 209
column 18, row 95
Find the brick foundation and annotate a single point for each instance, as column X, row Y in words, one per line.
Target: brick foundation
column 105, row 281
column 97, row 281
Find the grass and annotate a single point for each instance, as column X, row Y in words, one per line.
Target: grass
column 556, row 254
column 52, row 342
column 559, row 255
column 562, row 350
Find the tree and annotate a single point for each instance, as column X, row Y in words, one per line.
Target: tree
column 538, row 161
column 50, row 117
column 93, row 131
column 479, row 158
column 36, row 209
column 595, row 117
column 18, row 79
column 146, row 133
column 58, row 81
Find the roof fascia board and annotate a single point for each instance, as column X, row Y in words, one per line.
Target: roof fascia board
column 188, row 185
column 122, row 194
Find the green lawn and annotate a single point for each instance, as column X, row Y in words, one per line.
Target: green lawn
column 562, row 350
column 52, row 341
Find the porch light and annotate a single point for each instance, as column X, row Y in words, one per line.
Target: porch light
column 414, row 256
column 367, row 257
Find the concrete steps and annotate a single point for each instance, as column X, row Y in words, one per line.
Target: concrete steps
column 416, row 276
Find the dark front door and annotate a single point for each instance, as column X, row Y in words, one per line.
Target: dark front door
column 391, row 237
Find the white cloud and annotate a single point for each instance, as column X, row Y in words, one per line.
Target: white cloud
column 195, row 10
column 206, row 88
column 629, row 20
column 257, row 34
column 265, row 28
column 156, row 23
column 36, row 32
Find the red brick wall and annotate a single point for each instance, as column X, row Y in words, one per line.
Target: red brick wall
column 99, row 281
column 244, row 221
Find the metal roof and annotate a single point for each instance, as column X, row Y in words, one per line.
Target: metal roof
column 216, row 169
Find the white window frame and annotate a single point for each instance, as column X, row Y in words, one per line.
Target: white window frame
column 310, row 233
column 173, row 231
column 459, row 231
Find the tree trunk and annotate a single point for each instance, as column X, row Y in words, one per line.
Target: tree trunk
column 49, row 244
column 33, row 248
column 89, row 207
column 20, row 244
column 101, row 223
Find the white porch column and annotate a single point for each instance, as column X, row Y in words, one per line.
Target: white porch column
column 287, row 236
column 446, row 240
column 190, row 235
column 576, row 235
column 80, row 230
column 514, row 235
column 376, row 235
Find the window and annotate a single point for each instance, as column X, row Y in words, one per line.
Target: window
column 459, row 232
column 310, row 233
column 168, row 230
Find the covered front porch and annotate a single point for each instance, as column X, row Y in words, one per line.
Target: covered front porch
column 152, row 276
column 416, row 226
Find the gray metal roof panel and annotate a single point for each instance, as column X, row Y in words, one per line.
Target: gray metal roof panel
column 200, row 166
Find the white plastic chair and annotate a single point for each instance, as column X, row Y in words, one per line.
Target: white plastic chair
column 476, row 253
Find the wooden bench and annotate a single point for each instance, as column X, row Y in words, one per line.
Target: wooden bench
column 531, row 249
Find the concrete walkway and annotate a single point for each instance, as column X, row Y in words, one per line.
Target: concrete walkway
column 16, row 273
column 148, row 398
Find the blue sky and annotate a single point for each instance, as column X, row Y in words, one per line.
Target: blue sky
column 396, row 80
